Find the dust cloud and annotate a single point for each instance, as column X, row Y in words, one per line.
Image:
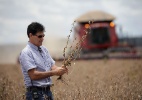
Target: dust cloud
column 9, row 53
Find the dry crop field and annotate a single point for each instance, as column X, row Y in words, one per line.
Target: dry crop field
column 87, row 80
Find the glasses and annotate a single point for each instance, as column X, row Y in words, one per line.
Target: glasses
column 40, row 36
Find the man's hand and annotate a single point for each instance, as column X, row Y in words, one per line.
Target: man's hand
column 65, row 67
column 60, row 71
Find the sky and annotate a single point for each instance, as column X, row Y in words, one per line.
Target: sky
column 58, row 15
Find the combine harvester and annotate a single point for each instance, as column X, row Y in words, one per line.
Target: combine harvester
column 102, row 40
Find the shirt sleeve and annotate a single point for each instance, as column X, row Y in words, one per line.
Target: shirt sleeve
column 27, row 61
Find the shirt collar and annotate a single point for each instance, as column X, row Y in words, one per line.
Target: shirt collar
column 33, row 46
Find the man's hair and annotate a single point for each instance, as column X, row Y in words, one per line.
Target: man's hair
column 35, row 27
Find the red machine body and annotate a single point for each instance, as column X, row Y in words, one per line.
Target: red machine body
column 102, row 35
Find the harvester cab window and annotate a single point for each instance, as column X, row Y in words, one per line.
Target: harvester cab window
column 99, row 35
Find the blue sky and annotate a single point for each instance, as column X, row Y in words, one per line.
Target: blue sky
column 58, row 15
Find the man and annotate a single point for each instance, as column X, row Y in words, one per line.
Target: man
column 37, row 65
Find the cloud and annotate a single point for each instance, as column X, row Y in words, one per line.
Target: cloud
column 58, row 15
column 128, row 14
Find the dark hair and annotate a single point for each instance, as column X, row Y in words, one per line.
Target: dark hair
column 35, row 27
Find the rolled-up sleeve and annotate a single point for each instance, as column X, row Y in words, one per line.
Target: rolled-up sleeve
column 27, row 61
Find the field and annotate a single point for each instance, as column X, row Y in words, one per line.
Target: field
column 87, row 80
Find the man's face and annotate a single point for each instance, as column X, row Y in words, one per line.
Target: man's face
column 37, row 39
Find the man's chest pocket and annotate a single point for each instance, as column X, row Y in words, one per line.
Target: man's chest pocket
column 47, row 61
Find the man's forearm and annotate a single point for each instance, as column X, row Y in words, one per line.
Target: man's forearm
column 41, row 75
column 36, row 75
